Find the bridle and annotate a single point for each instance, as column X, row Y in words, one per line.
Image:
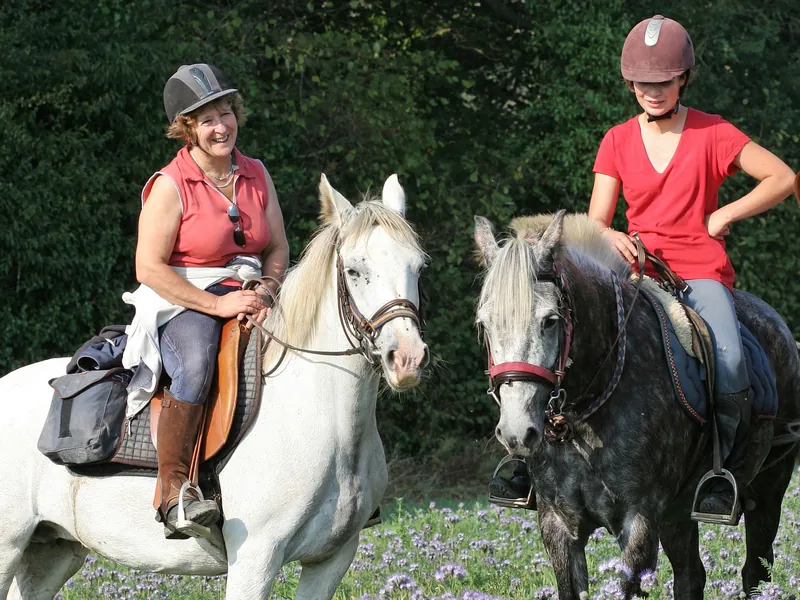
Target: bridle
column 561, row 415
column 365, row 331
column 508, row 372
column 361, row 333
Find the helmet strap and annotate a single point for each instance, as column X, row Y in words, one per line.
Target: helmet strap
column 666, row 115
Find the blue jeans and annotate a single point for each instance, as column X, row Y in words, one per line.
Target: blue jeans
column 189, row 345
column 714, row 302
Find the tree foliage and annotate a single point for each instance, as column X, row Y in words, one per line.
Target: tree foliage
column 493, row 108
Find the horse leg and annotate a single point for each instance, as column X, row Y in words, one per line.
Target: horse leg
column 253, row 562
column 639, row 544
column 319, row 580
column 761, row 522
column 10, row 557
column 45, row 568
column 567, row 553
column 681, row 542
column 15, row 538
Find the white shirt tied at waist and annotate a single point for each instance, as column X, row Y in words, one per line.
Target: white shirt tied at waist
column 143, row 351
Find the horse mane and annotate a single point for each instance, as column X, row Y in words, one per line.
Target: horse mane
column 507, row 287
column 300, row 298
column 581, row 238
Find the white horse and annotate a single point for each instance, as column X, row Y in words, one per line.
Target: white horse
column 302, row 482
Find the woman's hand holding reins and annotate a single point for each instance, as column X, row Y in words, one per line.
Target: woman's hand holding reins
column 238, row 304
column 622, row 243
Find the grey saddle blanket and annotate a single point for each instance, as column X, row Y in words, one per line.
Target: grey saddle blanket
column 136, row 453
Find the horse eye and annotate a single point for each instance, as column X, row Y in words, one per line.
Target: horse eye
column 352, row 273
column 551, row 321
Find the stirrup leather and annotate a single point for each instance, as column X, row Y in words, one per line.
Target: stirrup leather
column 527, row 502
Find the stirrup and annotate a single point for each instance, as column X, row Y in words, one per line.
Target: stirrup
column 527, row 502
column 717, row 519
column 184, row 525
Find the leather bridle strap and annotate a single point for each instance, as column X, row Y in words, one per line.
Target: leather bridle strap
column 519, row 371
column 362, row 328
column 353, row 322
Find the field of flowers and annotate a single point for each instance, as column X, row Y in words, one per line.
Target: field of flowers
column 461, row 552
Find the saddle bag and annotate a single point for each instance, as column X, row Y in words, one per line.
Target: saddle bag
column 84, row 423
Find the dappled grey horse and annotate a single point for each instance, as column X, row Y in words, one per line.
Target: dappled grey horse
column 632, row 462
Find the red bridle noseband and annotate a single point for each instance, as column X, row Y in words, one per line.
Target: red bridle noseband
column 508, row 372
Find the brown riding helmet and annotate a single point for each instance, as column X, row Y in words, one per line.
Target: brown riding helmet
column 657, row 49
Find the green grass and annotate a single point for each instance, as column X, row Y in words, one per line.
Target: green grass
column 470, row 551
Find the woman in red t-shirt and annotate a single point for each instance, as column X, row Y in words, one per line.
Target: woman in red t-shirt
column 670, row 162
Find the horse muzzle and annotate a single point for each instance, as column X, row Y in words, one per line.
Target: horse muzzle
column 518, row 430
column 405, row 363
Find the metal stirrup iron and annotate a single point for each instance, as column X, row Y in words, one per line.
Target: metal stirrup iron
column 521, row 502
column 183, row 524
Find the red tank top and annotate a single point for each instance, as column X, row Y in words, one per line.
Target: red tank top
column 205, row 234
column 668, row 209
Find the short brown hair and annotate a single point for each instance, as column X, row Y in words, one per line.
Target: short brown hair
column 182, row 127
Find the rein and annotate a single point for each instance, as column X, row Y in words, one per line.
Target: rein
column 355, row 326
column 561, row 413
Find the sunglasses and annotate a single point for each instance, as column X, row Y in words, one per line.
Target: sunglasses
column 236, row 219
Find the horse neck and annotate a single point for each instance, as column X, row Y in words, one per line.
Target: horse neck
column 344, row 388
column 594, row 316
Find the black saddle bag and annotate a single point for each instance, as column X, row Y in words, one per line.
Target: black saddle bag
column 85, row 419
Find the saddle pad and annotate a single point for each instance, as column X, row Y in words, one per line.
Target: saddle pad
column 136, row 448
column 688, row 374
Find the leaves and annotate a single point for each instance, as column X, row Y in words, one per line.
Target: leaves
column 493, row 108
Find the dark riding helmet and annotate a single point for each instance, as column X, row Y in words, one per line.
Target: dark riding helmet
column 193, row 86
column 657, row 49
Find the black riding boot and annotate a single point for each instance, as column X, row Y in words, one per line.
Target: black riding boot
column 515, row 489
column 733, row 420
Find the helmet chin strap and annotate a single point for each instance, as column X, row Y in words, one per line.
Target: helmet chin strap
column 666, row 115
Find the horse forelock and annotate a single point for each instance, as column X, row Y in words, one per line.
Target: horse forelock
column 508, row 290
column 306, row 283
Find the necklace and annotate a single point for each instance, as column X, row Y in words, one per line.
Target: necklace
column 227, row 177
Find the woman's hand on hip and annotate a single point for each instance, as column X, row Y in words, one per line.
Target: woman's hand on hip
column 717, row 226
column 238, row 304
column 622, row 243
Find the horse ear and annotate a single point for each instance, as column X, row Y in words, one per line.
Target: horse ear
column 393, row 195
column 333, row 205
column 485, row 240
column 551, row 237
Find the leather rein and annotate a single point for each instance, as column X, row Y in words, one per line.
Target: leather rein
column 561, row 414
column 360, row 332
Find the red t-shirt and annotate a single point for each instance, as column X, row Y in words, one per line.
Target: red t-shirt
column 205, row 234
column 668, row 209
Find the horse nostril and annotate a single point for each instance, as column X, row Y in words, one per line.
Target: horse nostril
column 498, row 433
column 531, row 438
column 426, row 357
column 390, row 357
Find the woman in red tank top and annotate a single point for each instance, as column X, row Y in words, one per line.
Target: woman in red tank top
column 210, row 219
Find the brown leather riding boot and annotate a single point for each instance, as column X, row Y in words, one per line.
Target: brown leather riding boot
column 178, row 428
